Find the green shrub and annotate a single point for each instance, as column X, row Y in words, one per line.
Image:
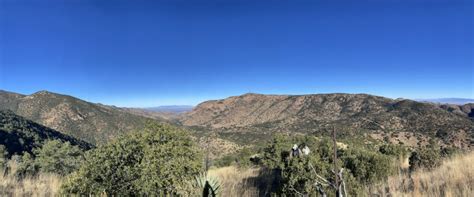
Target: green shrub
column 428, row 158
column 26, row 165
column 274, row 153
column 368, row 167
column 3, row 160
column 393, row 150
column 299, row 174
column 242, row 158
column 58, row 157
column 156, row 161
column 448, row 152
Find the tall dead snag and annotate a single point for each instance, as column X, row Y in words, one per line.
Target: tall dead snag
column 339, row 184
column 320, row 182
column 335, row 162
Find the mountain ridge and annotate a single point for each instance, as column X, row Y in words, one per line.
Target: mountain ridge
column 255, row 115
column 93, row 122
column 357, row 113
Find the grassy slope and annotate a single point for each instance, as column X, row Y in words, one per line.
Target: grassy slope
column 455, row 177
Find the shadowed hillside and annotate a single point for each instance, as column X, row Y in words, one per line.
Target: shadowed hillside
column 18, row 134
column 398, row 121
column 94, row 123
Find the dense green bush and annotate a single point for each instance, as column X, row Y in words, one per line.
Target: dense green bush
column 26, row 165
column 299, row 174
column 53, row 157
column 368, row 167
column 295, row 174
column 394, row 150
column 428, row 158
column 158, row 160
column 242, row 158
column 276, row 151
column 3, row 158
column 448, row 152
column 58, row 157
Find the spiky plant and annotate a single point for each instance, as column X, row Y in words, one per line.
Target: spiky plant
column 210, row 185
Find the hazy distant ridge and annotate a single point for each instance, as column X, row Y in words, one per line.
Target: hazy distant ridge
column 456, row 101
column 171, row 108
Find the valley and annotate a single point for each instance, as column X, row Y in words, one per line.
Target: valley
column 235, row 134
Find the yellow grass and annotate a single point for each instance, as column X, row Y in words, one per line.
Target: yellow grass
column 42, row 185
column 38, row 186
column 235, row 181
column 455, row 177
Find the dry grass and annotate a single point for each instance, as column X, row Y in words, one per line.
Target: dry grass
column 41, row 185
column 234, row 181
column 242, row 182
column 455, row 177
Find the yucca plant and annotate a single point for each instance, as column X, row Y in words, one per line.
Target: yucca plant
column 210, row 185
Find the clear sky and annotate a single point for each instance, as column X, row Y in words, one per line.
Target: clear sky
column 148, row 53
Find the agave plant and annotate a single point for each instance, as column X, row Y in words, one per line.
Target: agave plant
column 210, row 185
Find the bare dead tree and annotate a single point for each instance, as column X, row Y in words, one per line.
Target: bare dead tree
column 336, row 181
column 339, row 183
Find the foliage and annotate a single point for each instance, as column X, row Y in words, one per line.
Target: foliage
column 209, row 185
column 26, row 165
column 3, row 158
column 57, row 157
column 300, row 174
column 428, row 157
column 393, row 150
column 20, row 135
column 243, row 158
column 368, row 167
column 96, row 123
column 275, row 152
column 158, row 160
column 448, row 152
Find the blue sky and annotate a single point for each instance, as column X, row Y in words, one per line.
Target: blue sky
column 148, row 53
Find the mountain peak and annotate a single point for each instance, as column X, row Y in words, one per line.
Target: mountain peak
column 42, row 92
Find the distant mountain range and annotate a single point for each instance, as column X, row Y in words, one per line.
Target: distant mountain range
column 252, row 118
column 171, row 108
column 455, row 101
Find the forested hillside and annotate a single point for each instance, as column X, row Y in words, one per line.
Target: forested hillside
column 18, row 134
column 95, row 123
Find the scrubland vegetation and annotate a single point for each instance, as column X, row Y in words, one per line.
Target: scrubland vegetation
column 163, row 160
